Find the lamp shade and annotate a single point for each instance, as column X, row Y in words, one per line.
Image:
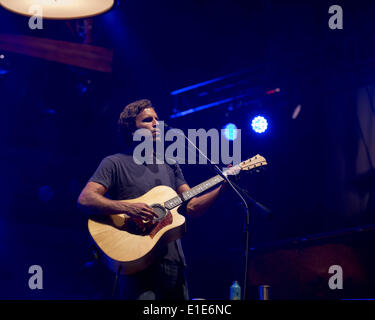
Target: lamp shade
column 59, row 9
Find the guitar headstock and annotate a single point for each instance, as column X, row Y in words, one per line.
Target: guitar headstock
column 253, row 163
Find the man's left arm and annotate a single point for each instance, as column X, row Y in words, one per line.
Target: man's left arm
column 198, row 205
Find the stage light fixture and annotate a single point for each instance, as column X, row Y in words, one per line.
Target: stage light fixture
column 230, row 131
column 59, row 9
column 4, row 65
column 259, row 124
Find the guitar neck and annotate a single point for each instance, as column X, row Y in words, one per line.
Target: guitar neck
column 191, row 193
column 254, row 163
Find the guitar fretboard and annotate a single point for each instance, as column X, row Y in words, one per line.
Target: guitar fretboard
column 187, row 195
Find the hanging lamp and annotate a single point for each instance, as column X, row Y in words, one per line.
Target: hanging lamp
column 59, row 9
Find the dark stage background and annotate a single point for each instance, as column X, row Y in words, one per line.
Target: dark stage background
column 58, row 121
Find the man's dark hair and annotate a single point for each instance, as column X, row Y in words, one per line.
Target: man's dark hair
column 126, row 122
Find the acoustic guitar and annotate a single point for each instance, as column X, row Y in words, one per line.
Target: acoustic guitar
column 126, row 248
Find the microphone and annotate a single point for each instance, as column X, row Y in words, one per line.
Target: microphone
column 166, row 125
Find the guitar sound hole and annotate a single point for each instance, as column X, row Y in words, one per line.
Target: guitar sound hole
column 160, row 211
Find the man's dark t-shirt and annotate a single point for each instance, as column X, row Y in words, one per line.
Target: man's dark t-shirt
column 125, row 179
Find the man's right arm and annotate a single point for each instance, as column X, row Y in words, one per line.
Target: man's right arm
column 93, row 201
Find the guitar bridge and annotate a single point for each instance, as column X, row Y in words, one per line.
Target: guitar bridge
column 163, row 222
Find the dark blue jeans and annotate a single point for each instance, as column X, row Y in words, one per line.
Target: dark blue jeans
column 162, row 281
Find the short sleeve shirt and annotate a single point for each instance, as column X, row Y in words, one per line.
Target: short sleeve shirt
column 125, row 179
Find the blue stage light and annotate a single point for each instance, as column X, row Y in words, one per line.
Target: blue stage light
column 259, row 124
column 230, row 131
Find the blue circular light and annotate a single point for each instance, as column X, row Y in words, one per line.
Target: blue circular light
column 230, row 131
column 259, row 124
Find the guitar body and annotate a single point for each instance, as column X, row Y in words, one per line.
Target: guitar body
column 124, row 249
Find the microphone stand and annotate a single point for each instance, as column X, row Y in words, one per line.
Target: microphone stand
column 266, row 211
column 247, row 223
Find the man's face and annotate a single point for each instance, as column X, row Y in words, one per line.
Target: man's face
column 148, row 119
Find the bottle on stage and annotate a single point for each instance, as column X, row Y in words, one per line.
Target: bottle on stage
column 235, row 291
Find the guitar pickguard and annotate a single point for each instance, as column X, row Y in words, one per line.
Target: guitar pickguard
column 167, row 219
column 149, row 229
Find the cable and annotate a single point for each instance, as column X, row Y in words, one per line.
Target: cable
column 116, row 281
column 361, row 131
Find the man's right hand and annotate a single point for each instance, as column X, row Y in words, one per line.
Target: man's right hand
column 140, row 211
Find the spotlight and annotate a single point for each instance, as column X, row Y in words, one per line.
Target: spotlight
column 259, row 124
column 230, row 131
column 4, row 65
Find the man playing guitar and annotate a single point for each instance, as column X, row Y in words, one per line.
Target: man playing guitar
column 118, row 178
